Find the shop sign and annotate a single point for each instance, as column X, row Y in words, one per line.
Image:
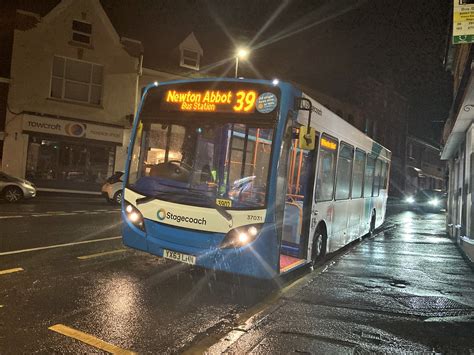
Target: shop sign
column 463, row 21
column 72, row 129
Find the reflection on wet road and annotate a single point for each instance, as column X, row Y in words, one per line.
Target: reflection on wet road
column 138, row 302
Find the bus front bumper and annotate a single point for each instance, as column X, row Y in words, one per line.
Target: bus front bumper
column 244, row 261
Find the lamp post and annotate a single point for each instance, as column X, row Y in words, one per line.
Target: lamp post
column 242, row 53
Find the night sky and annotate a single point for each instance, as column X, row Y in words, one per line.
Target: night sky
column 326, row 45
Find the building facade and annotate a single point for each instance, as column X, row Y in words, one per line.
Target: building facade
column 424, row 168
column 72, row 90
column 458, row 140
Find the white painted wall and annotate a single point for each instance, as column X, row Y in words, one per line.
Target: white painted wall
column 32, row 59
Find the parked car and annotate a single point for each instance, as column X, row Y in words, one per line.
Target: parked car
column 13, row 189
column 428, row 200
column 112, row 190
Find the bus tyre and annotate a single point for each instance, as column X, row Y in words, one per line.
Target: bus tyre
column 318, row 250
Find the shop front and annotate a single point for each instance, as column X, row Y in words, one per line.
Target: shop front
column 69, row 155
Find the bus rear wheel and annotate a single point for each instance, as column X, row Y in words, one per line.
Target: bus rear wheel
column 318, row 250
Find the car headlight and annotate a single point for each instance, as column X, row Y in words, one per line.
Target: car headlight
column 238, row 237
column 434, row 202
column 410, row 199
column 134, row 216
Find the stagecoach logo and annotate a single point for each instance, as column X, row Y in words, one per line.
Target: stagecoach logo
column 161, row 214
column 75, row 129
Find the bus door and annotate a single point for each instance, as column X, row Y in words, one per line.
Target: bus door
column 298, row 203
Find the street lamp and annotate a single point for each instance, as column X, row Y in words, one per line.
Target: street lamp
column 242, row 53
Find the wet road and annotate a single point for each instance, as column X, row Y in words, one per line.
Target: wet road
column 79, row 276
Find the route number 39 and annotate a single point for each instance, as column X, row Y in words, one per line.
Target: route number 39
column 245, row 101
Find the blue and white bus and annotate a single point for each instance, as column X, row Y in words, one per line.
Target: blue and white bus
column 248, row 177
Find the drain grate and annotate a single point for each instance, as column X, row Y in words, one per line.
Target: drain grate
column 433, row 306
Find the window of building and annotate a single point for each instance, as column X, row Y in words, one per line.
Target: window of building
column 81, row 32
column 326, row 169
column 369, row 176
column 76, row 80
column 344, row 171
column 358, row 174
column 190, row 59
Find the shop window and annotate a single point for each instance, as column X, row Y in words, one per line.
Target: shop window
column 76, row 80
column 81, row 32
column 67, row 164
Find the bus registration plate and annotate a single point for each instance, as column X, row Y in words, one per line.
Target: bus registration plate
column 184, row 258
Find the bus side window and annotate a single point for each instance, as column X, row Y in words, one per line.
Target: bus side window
column 358, row 174
column 369, row 176
column 326, row 169
column 377, row 177
column 383, row 177
column 344, row 171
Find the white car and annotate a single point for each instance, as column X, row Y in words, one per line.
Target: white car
column 112, row 190
column 14, row 189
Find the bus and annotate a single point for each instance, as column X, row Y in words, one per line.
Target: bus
column 250, row 177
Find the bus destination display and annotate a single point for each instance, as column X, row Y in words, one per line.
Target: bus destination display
column 236, row 101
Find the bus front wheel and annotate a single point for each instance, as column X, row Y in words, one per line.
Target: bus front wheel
column 318, row 250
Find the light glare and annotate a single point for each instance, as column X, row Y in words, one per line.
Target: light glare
column 242, row 53
column 134, row 217
column 129, row 209
column 275, row 82
column 253, row 231
column 243, row 238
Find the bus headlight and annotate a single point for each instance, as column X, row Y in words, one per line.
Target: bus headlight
column 134, row 216
column 434, row 202
column 238, row 237
column 410, row 199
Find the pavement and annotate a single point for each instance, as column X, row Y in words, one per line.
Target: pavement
column 68, row 285
column 407, row 289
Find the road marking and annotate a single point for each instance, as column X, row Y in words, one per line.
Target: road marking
column 64, row 214
column 57, row 246
column 41, row 215
column 89, row 339
column 84, row 257
column 6, row 217
column 10, row 271
column 82, row 211
column 54, row 212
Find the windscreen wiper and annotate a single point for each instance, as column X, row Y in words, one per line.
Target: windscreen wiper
column 222, row 211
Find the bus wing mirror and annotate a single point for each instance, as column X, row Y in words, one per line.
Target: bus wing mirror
column 307, row 138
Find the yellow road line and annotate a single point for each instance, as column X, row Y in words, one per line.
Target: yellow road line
column 89, row 339
column 84, row 257
column 9, row 271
